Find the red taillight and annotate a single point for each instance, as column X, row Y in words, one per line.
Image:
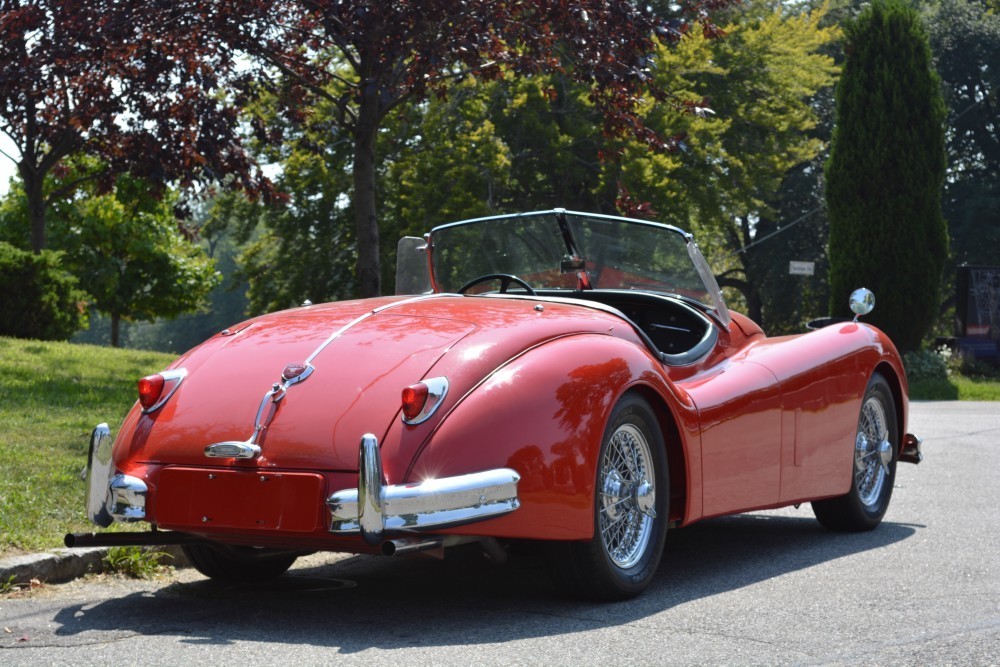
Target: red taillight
column 414, row 398
column 155, row 390
column 150, row 390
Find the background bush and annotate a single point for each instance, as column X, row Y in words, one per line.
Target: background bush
column 40, row 299
column 928, row 364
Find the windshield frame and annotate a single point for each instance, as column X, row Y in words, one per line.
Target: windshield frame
column 716, row 304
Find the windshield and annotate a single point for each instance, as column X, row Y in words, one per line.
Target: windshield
column 549, row 249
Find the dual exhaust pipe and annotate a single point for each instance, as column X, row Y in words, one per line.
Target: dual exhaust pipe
column 394, row 547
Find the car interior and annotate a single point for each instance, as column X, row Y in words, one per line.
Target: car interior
column 676, row 331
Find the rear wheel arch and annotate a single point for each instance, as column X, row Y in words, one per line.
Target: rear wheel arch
column 676, row 456
column 630, row 510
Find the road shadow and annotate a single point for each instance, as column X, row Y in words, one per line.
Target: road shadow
column 375, row 602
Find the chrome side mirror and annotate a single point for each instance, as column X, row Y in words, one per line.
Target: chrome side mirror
column 862, row 302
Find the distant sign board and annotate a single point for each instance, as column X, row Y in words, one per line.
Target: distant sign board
column 978, row 302
column 801, row 268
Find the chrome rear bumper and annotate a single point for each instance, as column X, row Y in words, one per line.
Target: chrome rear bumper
column 111, row 496
column 374, row 508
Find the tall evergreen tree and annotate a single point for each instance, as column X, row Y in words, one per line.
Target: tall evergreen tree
column 885, row 173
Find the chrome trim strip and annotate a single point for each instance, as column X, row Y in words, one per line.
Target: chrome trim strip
column 437, row 390
column 268, row 407
column 171, row 381
column 433, row 504
column 361, row 318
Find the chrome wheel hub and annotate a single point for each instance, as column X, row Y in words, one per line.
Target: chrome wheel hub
column 872, row 453
column 628, row 496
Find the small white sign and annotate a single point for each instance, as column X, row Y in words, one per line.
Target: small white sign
column 801, row 268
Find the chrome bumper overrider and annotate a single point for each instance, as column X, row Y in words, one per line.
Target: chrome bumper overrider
column 375, row 508
column 111, row 496
column 910, row 452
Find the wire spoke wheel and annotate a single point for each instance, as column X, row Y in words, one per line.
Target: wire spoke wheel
column 876, row 445
column 630, row 511
column 627, row 496
column 871, row 448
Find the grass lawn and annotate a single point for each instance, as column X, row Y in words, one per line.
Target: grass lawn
column 956, row 388
column 53, row 394
column 51, row 397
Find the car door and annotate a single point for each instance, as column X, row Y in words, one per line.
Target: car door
column 740, row 408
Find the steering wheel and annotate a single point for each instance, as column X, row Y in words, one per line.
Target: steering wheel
column 505, row 280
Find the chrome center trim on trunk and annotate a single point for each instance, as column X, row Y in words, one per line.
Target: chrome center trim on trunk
column 361, row 318
column 268, row 408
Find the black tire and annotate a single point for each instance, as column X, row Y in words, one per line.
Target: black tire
column 631, row 503
column 873, row 471
column 223, row 562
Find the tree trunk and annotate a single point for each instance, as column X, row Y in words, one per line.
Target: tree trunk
column 33, row 190
column 116, row 321
column 755, row 305
column 365, row 218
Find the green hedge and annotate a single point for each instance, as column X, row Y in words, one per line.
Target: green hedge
column 38, row 299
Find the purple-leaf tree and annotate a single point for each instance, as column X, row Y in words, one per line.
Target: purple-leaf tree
column 139, row 84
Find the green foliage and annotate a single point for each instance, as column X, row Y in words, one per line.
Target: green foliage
column 9, row 586
column 130, row 255
column 941, row 375
column 519, row 143
column 41, row 300
column 927, row 364
column 225, row 305
column 304, row 249
column 135, row 562
column 965, row 39
column 126, row 248
column 53, row 396
column 515, row 144
column 760, row 82
column 885, row 174
column 383, row 56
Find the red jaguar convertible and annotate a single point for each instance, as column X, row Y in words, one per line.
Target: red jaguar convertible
column 559, row 377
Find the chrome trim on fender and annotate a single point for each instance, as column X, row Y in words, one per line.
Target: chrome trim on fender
column 375, row 508
column 111, row 495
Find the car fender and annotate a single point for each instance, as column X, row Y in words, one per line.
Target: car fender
column 544, row 414
column 823, row 376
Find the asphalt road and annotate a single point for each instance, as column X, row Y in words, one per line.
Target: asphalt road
column 765, row 588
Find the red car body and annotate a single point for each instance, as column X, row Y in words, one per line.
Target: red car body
column 533, row 381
